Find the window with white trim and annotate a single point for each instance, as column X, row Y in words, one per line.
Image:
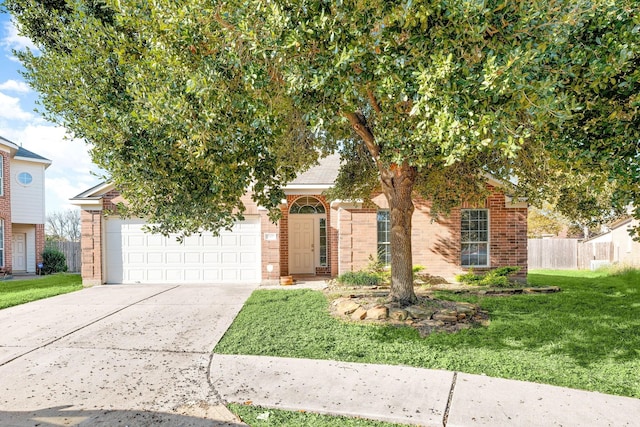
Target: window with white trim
column 384, row 237
column 323, row 242
column 24, row 178
column 474, row 237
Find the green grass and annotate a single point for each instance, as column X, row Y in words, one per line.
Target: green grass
column 15, row 292
column 278, row 417
column 586, row 337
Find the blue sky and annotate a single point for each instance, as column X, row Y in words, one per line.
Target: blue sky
column 71, row 170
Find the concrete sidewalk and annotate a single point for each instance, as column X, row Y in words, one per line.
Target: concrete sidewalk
column 412, row 395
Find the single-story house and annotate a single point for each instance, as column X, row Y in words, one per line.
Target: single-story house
column 314, row 237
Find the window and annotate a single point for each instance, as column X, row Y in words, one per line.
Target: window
column 474, row 235
column 307, row 205
column 1, row 242
column 25, row 178
column 323, row 242
column 384, row 237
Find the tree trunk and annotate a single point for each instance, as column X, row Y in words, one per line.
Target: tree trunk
column 397, row 186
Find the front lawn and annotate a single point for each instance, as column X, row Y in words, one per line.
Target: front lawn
column 587, row 336
column 256, row 416
column 15, row 292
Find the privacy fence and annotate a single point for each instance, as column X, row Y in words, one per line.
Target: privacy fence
column 568, row 254
column 71, row 251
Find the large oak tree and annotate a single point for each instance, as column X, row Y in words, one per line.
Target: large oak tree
column 190, row 103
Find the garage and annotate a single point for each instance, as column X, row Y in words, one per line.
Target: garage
column 134, row 256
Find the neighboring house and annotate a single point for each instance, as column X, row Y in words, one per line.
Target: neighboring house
column 313, row 237
column 623, row 249
column 22, row 208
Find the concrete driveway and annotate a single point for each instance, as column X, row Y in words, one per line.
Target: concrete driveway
column 137, row 354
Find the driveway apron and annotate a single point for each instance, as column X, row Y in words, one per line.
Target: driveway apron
column 139, row 353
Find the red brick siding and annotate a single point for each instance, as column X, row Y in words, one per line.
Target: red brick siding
column 436, row 244
column 5, row 209
column 91, row 247
column 270, row 248
column 40, row 240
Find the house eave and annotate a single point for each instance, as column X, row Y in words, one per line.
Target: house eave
column 306, row 189
column 45, row 162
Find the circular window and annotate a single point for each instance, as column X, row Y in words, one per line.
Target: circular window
column 25, row 178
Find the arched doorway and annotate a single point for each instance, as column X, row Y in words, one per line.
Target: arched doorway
column 307, row 236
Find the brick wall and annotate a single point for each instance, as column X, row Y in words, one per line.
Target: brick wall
column 5, row 210
column 40, row 241
column 436, row 244
column 91, row 247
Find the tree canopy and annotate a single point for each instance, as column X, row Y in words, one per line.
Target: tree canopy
column 189, row 103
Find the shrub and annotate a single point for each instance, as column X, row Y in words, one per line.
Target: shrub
column 359, row 278
column 497, row 277
column 54, row 261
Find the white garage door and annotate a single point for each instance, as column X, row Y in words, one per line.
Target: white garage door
column 133, row 256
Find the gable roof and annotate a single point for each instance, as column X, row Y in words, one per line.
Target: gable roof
column 24, row 154
column 324, row 173
column 20, row 153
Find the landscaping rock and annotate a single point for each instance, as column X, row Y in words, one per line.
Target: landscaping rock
column 418, row 312
column 347, row 307
column 398, row 314
column 445, row 317
column 378, row 313
column 545, row 290
column 359, row 314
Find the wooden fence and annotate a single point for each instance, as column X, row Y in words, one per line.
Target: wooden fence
column 567, row 254
column 71, row 251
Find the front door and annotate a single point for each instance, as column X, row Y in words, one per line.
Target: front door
column 301, row 244
column 19, row 252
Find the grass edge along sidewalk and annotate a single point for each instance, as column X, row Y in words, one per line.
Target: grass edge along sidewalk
column 15, row 291
column 585, row 337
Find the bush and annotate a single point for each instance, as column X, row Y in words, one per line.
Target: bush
column 53, row 261
column 497, row 277
column 359, row 278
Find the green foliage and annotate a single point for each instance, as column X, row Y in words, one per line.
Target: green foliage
column 359, row 278
column 54, row 261
column 584, row 337
column 496, row 277
column 279, row 417
column 15, row 292
column 189, row 104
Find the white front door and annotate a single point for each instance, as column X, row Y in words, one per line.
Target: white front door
column 301, row 244
column 19, row 251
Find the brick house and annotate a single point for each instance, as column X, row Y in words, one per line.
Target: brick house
column 314, row 237
column 22, row 208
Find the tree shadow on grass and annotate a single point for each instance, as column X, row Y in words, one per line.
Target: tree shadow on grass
column 62, row 415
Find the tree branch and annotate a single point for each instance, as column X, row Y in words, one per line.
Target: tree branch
column 374, row 101
column 359, row 124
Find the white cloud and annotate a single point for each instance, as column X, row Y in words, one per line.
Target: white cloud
column 13, row 40
column 10, row 109
column 71, row 170
column 15, row 86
